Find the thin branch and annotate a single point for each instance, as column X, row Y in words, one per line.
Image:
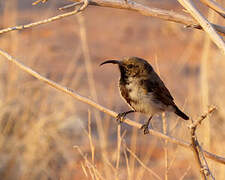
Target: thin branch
column 163, row 14
column 70, row 5
column 206, row 167
column 197, row 149
column 210, row 3
column 215, row 6
column 54, row 18
column 38, row 1
column 85, row 100
column 208, row 28
column 199, row 121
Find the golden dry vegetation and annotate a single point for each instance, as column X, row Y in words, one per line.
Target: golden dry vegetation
column 45, row 134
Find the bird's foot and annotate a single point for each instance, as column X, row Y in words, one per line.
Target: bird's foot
column 145, row 128
column 120, row 117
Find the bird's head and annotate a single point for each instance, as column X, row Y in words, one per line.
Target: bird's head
column 132, row 66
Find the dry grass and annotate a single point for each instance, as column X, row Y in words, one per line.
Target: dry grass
column 47, row 135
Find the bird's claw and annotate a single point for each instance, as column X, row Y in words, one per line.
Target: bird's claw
column 120, row 117
column 145, row 128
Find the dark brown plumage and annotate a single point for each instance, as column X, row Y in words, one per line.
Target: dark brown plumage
column 143, row 89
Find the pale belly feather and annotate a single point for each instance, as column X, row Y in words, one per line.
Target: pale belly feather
column 142, row 101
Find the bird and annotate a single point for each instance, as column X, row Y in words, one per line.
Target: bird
column 143, row 90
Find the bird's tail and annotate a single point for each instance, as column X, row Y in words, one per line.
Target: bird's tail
column 180, row 113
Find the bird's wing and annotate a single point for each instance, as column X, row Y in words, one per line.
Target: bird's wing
column 157, row 87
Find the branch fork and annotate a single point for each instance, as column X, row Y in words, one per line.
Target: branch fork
column 197, row 149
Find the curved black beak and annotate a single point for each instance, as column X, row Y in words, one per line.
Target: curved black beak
column 111, row 61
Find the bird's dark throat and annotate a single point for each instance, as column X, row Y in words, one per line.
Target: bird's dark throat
column 123, row 75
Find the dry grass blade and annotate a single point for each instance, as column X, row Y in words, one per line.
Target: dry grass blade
column 118, row 146
column 146, row 159
column 215, row 6
column 89, row 164
column 119, row 140
column 127, row 163
column 84, row 170
column 90, row 138
column 101, row 108
column 92, row 88
column 185, row 173
column 165, row 127
column 142, row 164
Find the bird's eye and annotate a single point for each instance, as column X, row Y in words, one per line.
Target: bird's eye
column 130, row 66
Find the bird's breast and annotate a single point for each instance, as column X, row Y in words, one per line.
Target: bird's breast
column 138, row 97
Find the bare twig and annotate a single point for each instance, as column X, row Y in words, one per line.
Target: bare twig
column 167, row 15
column 208, row 28
column 202, row 117
column 206, row 167
column 70, row 5
column 210, row 3
column 38, row 1
column 215, row 6
column 73, row 94
column 54, row 18
column 197, row 149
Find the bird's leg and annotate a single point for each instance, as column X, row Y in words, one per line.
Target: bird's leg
column 120, row 117
column 145, row 126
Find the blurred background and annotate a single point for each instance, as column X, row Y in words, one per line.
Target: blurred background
column 39, row 126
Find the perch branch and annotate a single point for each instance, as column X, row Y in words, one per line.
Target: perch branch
column 197, row 149
column 101, row 108
column 128, row 5
column 208, row 28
